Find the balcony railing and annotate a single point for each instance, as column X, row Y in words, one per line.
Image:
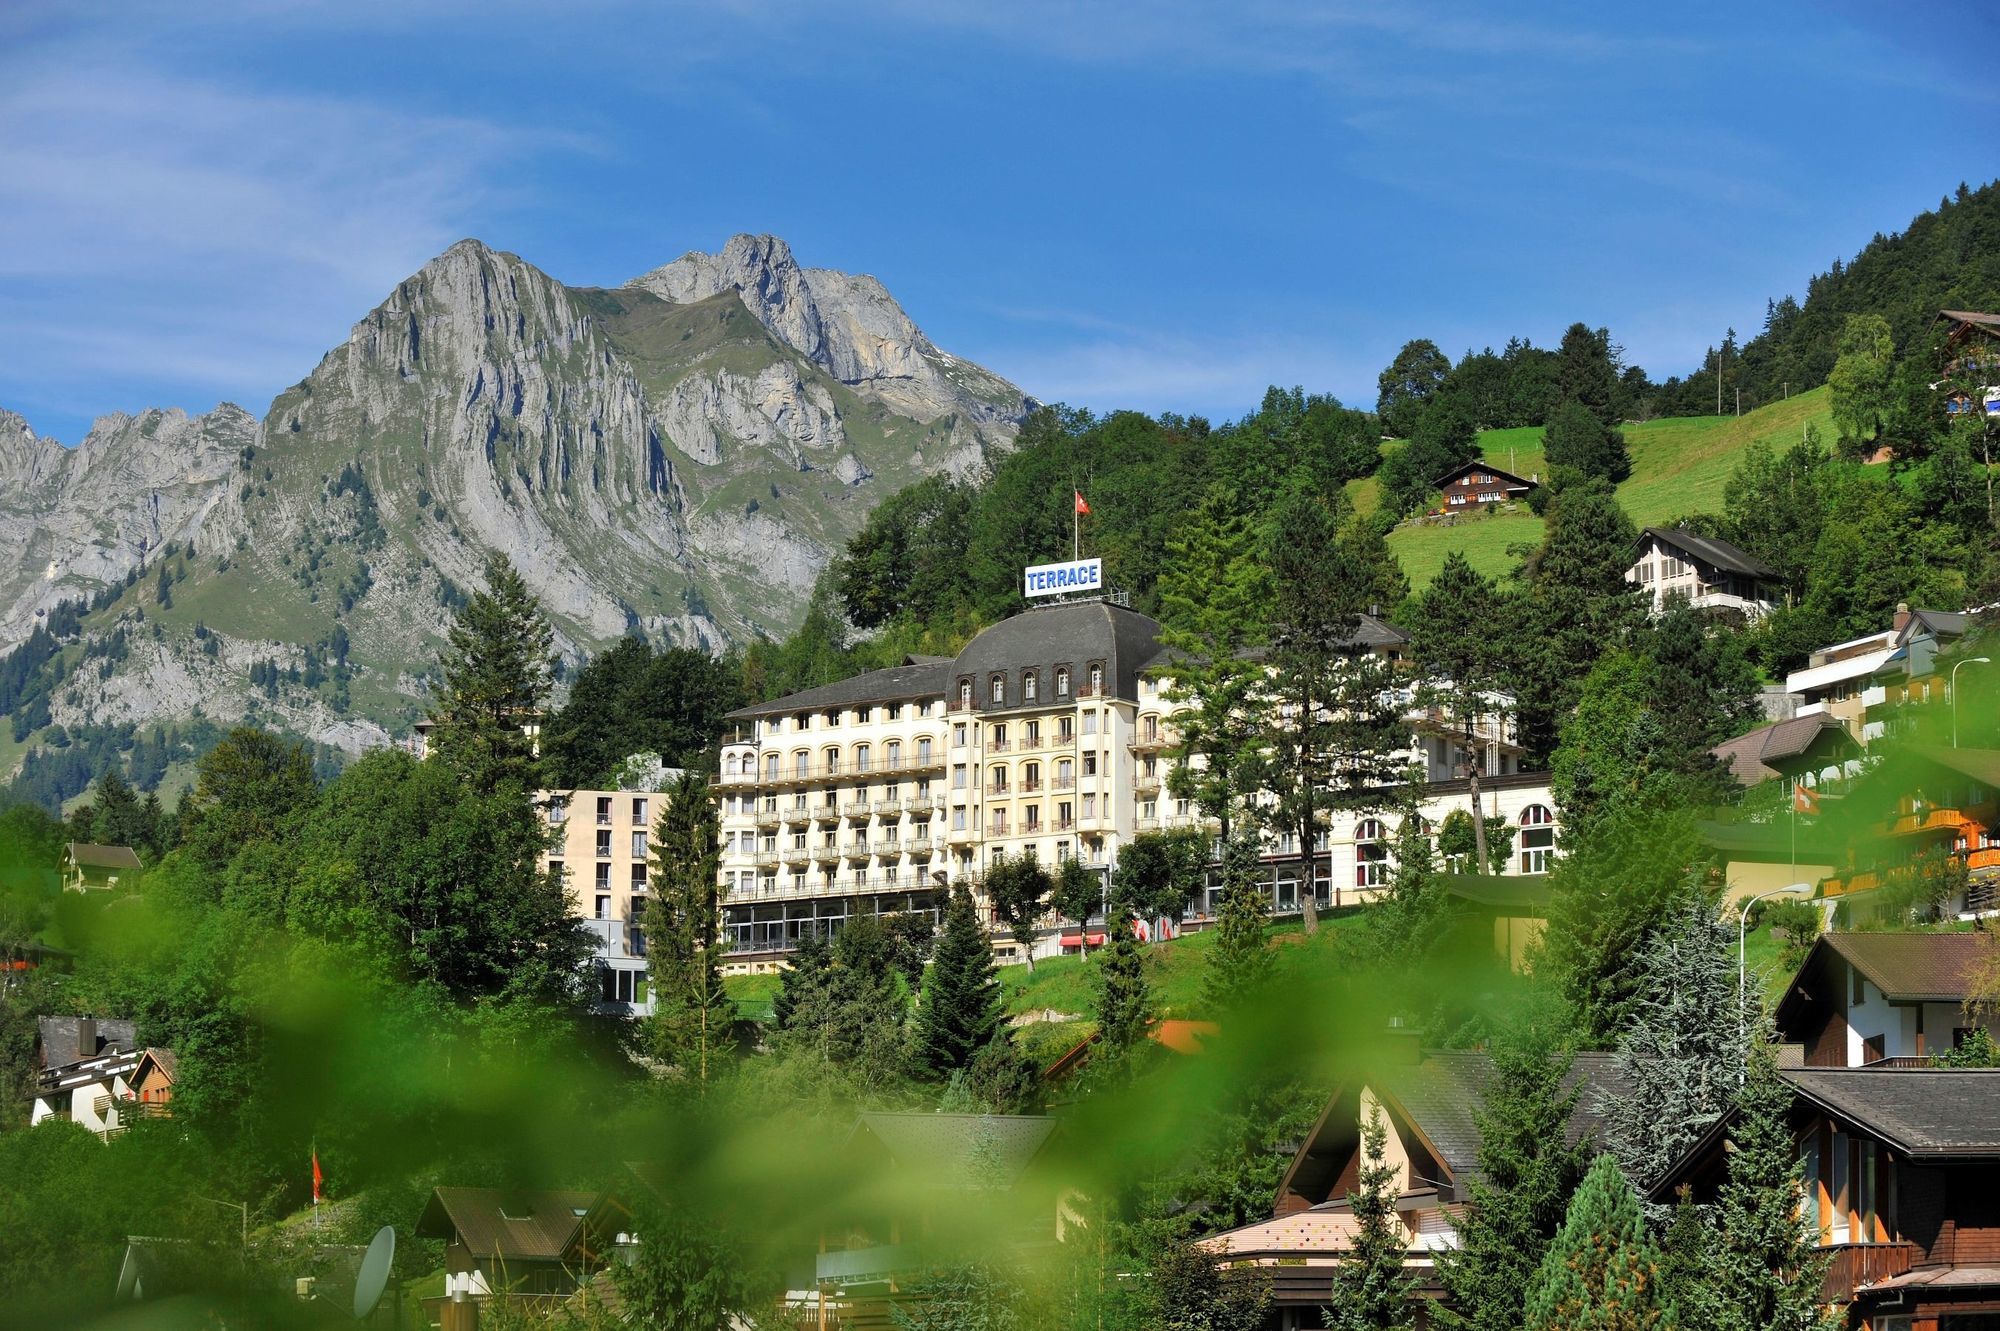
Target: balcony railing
column 796, row 814
column 1064, row 824
column 798, row 856
column 1030, row 787
column 997, row 790
column 1857, row 1264
column 857, row 809
column 1063, row 783
column 1146, row 825
column 827, row 813
column 766, row 859
column 858, row 850
column 826, row 854
column 790, row 773
column 767, row 818
column 1147, row 785
column 889, row 808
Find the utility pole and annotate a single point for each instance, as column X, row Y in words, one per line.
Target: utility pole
column 1739, row 401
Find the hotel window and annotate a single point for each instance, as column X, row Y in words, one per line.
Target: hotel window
column 1149, row 808
column 892, row 755
column 604, row 810
column 556, row 870
column 1090, row 806
column 639, row 843
column 1096, row 680
column 639, row 810
column 638, row 878
column 1065, row 814
column 1065, row 774
column 1028, row 686
column 965, row 693
column 895, row 711
column 861, row 758
column 958, row 818
column 603, row 880
column 771, row 767
column 1538, row 838
column 958, row 776
column 1000, row 736
column 801, row 764
column 604, row 842
column 558, row 812
column 802, row 721
column 770, row 844
column 1090, row 764
column 1371, row 854
column 958, row 736
column 996, row 690
column 924, row 750
column 832, row 761
column 1031, row 777
column 833, row 719
column 1062, row 682
column 1065, row 728
column 998, row 775
column 604, row 908
column 864, row 715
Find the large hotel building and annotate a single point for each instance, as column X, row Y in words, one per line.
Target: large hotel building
column 1049, row 734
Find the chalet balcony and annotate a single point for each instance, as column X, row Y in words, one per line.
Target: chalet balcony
column 864, row 1266
column 1925, row 820
column 1859, row 1264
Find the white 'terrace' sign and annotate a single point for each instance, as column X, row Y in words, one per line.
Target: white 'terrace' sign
column 1081, row 575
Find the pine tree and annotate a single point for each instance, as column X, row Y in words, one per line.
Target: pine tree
column 1681, row 1055
column 1124, row 1001
column 1327, row 722
column 1527, row 1170
column 960, row 1012
column 1601, row 1273
column 804, row 980
column 1373, row 1289
column 1215, row 592
column 116, row 818
column 1452, row 639
column 1239, row 964
column 1577, row 444
column 496, row 676
column 1767, row 1268
column 693, row 1022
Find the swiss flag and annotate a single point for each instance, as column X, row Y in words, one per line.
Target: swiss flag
column 1805, row 799
column 1081, row 507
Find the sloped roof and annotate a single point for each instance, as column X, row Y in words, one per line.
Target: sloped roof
column 1710, row 550
column 1989, row 322
column 1911, row 968
column 960, row 1150
column 1919, row 1111
column 1479, row 464
column 103, row 857
column 1939, row 624
column 1751, row 757
column 165, row 1059
column 1528, row 892
column 63, row 1038
column 1072, row 634
column 924, row 679
column 524, row 1224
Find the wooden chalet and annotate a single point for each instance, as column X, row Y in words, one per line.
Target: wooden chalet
column 1864, row 999
column 1429, row 1103
column 1902, row 1184
column 1972, row 351
column 1797, row 749
column 1474, row 485
column 524, row 1242
column 1924, row 804
column 1711, row 573
column 92, row 868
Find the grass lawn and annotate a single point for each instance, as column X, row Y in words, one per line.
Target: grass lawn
column 1679, row 467
column 752, row 994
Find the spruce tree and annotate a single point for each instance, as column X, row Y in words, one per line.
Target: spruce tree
column 1239, row 963
column 1767, row 1266
column 693, row 1023
column 960, row 1012
column 804, row 979
column 1459, row 656
column 1681, row 1054
column 1527, row 1170
column 1687, row 1263
column 1601, row 1273
column 1124, row 1002
column 1577, row 444
column 115, row 812
column 496, row 677
column 1373, row 1289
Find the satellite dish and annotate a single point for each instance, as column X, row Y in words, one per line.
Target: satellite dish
column 374, row 1276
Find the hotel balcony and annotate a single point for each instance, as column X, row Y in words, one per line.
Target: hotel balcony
column 1147, row 785
column 1147, row 743
column 923, row 850
column 888, row 808
column 1063, row 783
column 857, row 809
column 1030, row 787
column 798, row 817
column 1064, row 824
column 1146, row 825
column 826, row 813
column 858, row 849
column 998, row 792
column 766, row 859
column 767, row 818
column 826, row 854
column 798, row 857
column 997, row 829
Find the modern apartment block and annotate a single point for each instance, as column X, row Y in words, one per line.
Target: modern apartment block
column 1049, row 735
column 603, row 853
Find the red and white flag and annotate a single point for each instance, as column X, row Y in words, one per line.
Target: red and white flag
column 1805, row 799
column 1081, row 507
column 318, row 1177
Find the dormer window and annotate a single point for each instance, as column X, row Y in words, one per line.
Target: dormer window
column 965, row 693
column 996, row 691
column 1028, row 687
column 1096, row 681
column 1062, row 682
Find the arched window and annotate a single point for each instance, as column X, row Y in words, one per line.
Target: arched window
column 1027, row 686
column 831, row 757
column 1538, row 838
column 771, row 767
column 965, row 693
column 1062, row 682
column 732, row 765
column 1096, row 681
column 1371, row 854
column 996, row 690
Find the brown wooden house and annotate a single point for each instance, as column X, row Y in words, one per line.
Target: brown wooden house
column 1902, row 1175
column 522, row 1241
column 1865, row 998
column 1474, row 485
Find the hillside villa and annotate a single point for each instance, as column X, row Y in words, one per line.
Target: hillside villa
column 1707, row 570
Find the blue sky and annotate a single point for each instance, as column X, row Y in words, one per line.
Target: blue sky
column 1156, row 205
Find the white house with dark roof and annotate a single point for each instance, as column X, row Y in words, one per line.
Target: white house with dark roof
column 1710, row 572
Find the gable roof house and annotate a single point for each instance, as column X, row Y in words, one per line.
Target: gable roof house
column 1430, row 1106
column 521, row 1240
column 1477, row 483
column 88, row 867
column 1972, row 344
column 1923, row 819
column 1863, row 999
column 1709, row 571
column 1902, row 1186
column 1909, row 676
column 86, row 1077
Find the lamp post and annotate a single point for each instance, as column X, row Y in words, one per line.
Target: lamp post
column 1953, row 690
column 234, row 1206
column 1743, row 963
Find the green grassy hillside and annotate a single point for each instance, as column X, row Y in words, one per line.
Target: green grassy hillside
column 1679, row 467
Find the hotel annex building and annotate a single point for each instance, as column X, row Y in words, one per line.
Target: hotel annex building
column 1049, row 734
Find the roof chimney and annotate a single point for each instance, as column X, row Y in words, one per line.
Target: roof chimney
column 86, row 1037
column 1902, row 616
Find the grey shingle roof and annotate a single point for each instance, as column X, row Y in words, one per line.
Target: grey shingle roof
column 517, row 1224
column 1442, row 1094
column 1711, row 550
column 1073, row 635
column 64, row 1039
column 904, row 683
column 1749, row 756
column 1919, row 1111
column 1915, row 968
column 103, row 857
column 960, row 1150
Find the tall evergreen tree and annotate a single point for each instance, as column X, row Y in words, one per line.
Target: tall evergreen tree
column 1528, row 1167
column 1681, row 1054
column 1373, row 1288
column 1576, row 443
column 1459, row 655
column 959, row 1015
column 1124, row 1000
column 1019, row 888
column 1215, row 592
column 496, row 678
column 693, row 1023
column 1601, row 1273
column 116, row 812
column 1767, row 1263
column 805, row 978
column 1239, row 964
column 1586, row 373
column 1327, row 722
column 1409, row 383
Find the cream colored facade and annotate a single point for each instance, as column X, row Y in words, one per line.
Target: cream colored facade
column 1049, row 735
column 602, row 850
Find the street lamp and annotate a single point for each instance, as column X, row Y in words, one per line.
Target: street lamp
column 1743, row 965
column 1953, row 690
